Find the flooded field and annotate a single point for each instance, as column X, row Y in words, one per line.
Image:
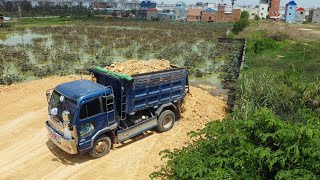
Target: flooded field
column 28, row 54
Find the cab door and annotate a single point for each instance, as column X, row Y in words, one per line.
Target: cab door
column 91, row 119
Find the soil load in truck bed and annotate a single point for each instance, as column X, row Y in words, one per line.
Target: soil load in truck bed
column 132, row 67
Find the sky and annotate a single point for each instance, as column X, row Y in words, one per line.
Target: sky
column 303, row 3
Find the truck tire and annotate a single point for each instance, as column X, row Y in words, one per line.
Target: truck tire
column 166, row 121
column 101, row 147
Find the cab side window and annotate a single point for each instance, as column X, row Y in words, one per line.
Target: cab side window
column 90, row 108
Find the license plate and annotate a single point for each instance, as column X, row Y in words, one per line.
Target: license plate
column 55, row 137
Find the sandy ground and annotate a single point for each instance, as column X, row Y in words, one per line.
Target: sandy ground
column 26, row 152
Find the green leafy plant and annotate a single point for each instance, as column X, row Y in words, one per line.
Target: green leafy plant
column 262, row 147
column 242, row 23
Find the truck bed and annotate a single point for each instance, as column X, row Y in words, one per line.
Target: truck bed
column 146, row 90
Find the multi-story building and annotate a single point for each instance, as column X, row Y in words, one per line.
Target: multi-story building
column 263, row 9
column 165, row 7
column 300, row 15
column 147, row 4
column 290, row 14
column 274, row 7
column 180, row 11
column 314, row 15
column 194, row 14
column 269, row 9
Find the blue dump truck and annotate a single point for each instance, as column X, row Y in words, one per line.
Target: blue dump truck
column 91, row 116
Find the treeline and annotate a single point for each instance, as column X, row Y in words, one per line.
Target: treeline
column 25, row 9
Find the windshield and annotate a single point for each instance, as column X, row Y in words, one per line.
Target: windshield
column 63, row 103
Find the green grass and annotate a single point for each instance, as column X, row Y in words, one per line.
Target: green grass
column 35, row 22
column 280, row 55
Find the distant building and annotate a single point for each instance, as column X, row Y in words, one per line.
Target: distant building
column 86, row 3
column 147, row 4
column 210, row 5
column 269, row 9
column 103, row 5
column 220, row 15
column 194, row 14
column 274, row 7
column 165, row 16
column 300, row 15
column 208, row 15
column 253, row 12
column 148, row 14
column 314, row 15
column 132, row 5
column 180, row 12
column 290, row 14
column 165, row 7
column 263, row 9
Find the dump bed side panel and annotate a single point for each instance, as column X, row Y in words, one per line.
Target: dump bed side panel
column 116, row 83
column 155, row 89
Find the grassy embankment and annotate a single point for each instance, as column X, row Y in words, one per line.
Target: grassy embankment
column 274, row 133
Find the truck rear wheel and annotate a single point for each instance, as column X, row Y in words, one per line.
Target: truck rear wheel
column 101, row 147
column 166, row 121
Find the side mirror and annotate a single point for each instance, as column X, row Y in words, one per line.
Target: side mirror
column 48, row 95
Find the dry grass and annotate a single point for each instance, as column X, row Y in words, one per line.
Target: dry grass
column 299, row 32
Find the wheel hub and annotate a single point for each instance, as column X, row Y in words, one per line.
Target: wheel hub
column 167, row 122
column 101, row 146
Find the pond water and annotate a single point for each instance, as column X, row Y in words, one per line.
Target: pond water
column 21, row 38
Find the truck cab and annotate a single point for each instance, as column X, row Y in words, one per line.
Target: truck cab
column 77, row 111
column 87, row 116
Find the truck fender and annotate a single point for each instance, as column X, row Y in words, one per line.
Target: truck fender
column 159, row 110
column 104, row 131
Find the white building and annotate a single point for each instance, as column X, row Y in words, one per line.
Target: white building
column 263, row 9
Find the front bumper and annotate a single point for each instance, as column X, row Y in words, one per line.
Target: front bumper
column 69, row 146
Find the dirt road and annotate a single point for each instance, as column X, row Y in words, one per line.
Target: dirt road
column 26, row 152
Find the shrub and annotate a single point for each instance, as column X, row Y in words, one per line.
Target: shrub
column 262, row 147
column 242, row 23
column 262, row 44
column 256, row 17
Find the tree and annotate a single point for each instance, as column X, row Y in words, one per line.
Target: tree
column 242, row 23
column 245, row 15
column 26, row 6
column 8, row 6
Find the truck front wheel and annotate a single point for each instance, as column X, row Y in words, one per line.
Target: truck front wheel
column 101, row 147
column 166, row 121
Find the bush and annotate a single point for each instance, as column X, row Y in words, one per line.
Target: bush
column 262, row 147
column 256, row 17
column 242, row 23
column 263, row 44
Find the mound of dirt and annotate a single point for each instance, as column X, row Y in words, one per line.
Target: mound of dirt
column 202, row 107
column 132, row 67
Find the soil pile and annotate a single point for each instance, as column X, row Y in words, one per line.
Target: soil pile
column 202, row 107
column 132, row 67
